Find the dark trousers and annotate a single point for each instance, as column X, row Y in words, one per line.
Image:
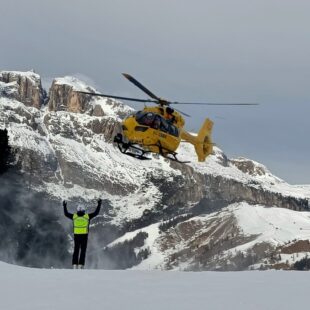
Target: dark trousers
column 79, row 253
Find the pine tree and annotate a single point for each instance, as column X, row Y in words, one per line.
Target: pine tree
column 5, row 151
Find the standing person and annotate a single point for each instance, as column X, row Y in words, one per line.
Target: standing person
column 81, row 221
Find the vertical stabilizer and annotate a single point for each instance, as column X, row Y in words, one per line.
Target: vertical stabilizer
column 204, row 145
column 203, row 141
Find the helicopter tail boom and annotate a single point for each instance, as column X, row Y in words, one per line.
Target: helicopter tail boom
column 203, row 141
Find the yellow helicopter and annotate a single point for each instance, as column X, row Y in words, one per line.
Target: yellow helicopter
column 160, row 129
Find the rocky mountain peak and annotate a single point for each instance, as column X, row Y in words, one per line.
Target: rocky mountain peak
column 64, row 96
column 25, row 87
column 250, row 167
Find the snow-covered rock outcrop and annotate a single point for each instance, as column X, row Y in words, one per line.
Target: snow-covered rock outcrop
column 64, row 96
column 28, row 85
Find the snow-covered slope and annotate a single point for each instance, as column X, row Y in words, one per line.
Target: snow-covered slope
column 242, row 226
column 36, row 289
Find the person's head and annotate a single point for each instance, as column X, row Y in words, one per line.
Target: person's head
column 80, row 209
column 169, row 110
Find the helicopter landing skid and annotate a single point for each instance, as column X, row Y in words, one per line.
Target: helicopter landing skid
column 139, row 153
column 130, row 149
column 173, row 157
column 170, row 155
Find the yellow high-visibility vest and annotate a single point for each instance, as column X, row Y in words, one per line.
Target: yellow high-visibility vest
column 80, row 224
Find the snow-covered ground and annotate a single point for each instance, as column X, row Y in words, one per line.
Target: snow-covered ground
column 38, row 289
column 272, row 224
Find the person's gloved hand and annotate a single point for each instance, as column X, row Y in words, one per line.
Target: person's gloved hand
column 64, row 203
column 99, row 202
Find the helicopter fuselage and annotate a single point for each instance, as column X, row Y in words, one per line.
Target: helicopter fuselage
column 159, row 129
column 151, row 130
column 155, row 131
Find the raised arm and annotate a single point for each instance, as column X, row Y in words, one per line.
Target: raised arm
column 96, row 212
column 67, row 214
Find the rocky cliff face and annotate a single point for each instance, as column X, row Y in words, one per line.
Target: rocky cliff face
column 28, row 85
column 66, row 152
column 63, row 96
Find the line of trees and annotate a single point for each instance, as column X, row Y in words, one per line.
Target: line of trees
column 174, row 221
column 303, row 264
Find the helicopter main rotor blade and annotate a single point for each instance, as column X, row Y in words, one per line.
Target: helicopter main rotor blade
column 213, row 103
column 138, row 84
column 117, row 97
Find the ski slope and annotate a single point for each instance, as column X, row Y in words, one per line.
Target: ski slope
column 37, row 289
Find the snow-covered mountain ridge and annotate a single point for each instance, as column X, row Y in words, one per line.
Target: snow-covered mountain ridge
column 64, row 149
column 239, row 236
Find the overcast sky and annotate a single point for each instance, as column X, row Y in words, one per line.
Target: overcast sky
column 198, row 50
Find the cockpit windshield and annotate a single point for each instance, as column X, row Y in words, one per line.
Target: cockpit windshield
column 157, row 122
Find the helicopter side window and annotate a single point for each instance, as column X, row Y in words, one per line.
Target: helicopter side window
column 157, row 121
column 164, row 126
column 173, row 131
column 169, row 128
